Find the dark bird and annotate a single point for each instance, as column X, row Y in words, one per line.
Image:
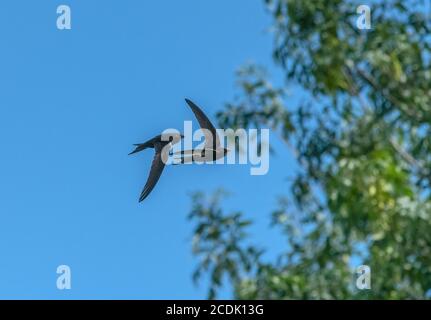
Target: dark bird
column 162, row 145
column 212, row 148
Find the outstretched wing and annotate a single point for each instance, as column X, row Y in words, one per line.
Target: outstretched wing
column 156, row 170
column 211, row 138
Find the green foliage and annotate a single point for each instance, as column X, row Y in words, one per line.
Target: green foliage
column 218, row 240
column 362, row 136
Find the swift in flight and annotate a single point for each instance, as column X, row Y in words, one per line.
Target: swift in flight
column 161, row 147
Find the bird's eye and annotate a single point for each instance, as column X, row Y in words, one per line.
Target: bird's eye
column 171, row 138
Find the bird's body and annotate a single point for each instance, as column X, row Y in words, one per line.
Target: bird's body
column 201, row 155
column 162, row 144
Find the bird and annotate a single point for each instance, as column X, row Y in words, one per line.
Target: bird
column 162, row 145
column 212, row 148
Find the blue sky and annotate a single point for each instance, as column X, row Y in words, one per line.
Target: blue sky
column 73, row 102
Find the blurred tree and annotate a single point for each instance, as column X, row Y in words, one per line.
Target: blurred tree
column 363, row 139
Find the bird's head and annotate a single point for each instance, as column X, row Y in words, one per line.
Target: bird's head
column 173, row 138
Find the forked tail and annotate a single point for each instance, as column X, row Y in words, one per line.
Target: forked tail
column 141, row 146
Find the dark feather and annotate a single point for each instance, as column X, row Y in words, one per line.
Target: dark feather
column 145, row 145
column 205, row 123
column 157, row 167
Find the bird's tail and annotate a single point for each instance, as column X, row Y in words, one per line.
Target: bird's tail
column 141, row 146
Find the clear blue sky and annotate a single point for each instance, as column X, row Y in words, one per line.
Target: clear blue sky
column 73, row 102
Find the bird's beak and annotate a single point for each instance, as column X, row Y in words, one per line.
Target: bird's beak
column 182, row 136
